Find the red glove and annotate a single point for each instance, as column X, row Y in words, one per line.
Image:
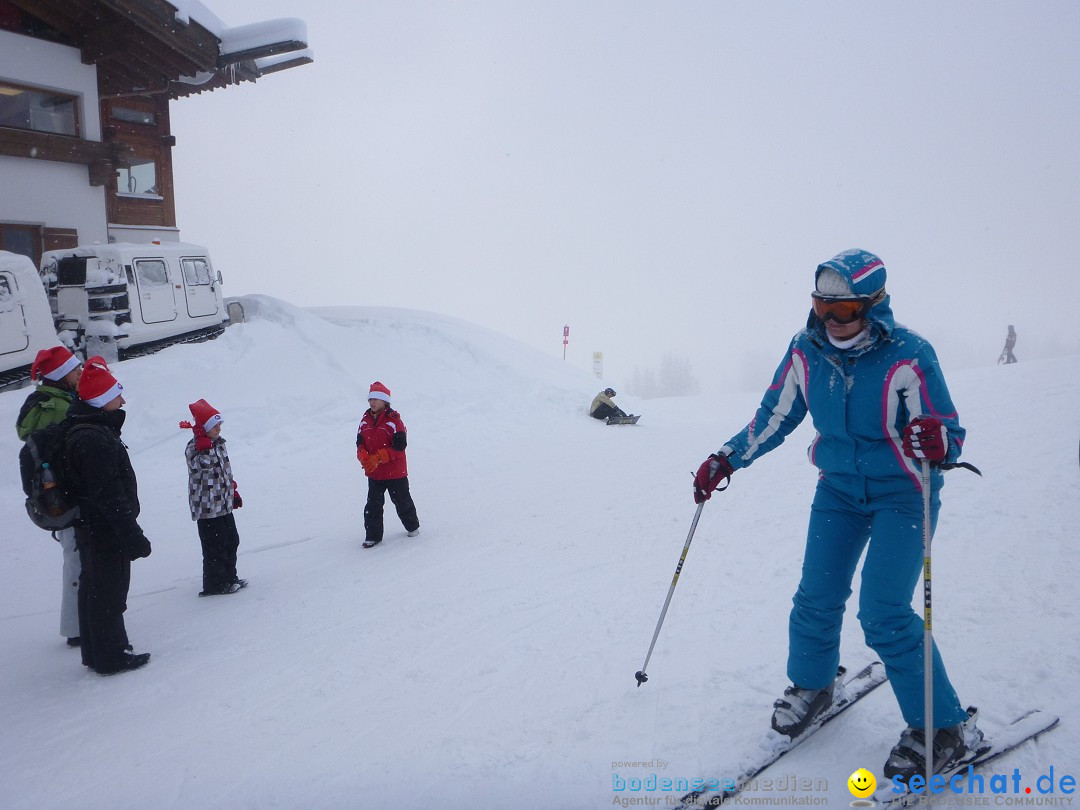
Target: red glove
column 709, row 475
column 202, row 441
column 362, row 456
column 925, row 437
column 237, row 501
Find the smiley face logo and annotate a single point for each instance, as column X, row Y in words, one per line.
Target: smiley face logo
column 862, row 783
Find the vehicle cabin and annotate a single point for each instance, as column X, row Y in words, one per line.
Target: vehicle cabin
column 25, row 322
column 138, row 296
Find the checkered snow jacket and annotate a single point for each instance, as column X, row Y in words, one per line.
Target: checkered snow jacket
column 210, row 480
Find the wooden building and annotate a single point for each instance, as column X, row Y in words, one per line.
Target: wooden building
column 85, row 88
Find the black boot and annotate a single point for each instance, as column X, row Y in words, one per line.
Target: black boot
column 127, row 662
column 224, row 590
column 798, row 708
column 908, row 756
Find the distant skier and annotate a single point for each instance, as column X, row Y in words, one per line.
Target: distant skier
column 602, row 405
column 1007, row 355
column 866, row 381
column 380, row 448
column 213, row 496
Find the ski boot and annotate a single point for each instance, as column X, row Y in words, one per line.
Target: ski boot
column 798, row 708
column 951, row 744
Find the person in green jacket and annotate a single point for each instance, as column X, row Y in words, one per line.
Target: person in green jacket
column 59, row 372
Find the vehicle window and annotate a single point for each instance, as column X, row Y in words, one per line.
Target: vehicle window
column 196, row 271
column 7, row 294
column 152, row 272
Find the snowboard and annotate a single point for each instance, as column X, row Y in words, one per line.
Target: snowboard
column 623, row 420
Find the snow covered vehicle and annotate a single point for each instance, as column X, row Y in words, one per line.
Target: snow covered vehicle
column 127, row 299
column 26, row 325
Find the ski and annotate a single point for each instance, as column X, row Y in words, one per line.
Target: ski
column 858, row 686
column 1024, row 728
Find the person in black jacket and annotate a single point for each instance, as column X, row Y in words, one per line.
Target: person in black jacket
column 98, row 473
column 1007, row 355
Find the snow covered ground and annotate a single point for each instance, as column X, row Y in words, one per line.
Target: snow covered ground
column 490, row 661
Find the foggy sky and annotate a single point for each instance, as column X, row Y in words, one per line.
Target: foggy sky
column 660, row 176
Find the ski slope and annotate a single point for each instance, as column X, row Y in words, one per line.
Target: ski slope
column 489, row 662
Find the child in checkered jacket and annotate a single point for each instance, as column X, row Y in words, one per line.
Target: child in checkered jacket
column 212, row 496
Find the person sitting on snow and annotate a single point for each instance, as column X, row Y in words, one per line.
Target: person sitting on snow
column 602, row 407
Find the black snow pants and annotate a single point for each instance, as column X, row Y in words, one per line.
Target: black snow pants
column 603, row 411
column 219, row 543
column 103, row 590
column 399, row 496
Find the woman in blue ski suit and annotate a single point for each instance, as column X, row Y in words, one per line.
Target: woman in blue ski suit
column 863, row 379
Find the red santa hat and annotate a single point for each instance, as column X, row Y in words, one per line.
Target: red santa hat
column 53, row 364
column 97, row 386
column 205, row 415
column 379, row 391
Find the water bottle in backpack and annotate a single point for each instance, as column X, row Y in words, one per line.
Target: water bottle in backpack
column 51, row 496
column 41, row 467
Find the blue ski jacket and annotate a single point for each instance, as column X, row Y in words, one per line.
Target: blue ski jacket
column 860, row 398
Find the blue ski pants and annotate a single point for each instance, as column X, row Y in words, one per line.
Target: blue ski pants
column 884, row 517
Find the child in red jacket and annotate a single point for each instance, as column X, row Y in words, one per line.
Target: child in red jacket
column 380, row 447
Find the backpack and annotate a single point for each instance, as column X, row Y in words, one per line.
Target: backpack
column 50, row 507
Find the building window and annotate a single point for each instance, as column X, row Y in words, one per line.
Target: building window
column 38, row 110
column 132, row 116
column 138, row 178
column 22, row 239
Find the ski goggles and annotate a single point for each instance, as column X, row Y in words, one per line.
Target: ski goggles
column 841, row 310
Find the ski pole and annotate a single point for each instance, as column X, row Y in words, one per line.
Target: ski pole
column 640, row 674
column 928, row 630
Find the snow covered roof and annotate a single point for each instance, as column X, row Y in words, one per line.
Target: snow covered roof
column 249, row 41
column 269, row 46
column 178, row 47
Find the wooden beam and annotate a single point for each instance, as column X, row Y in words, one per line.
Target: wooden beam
column 64, row 17
column 158, row 19
column 108, row 40
column 291, row 63
column 101, row 158
column 263, row 50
